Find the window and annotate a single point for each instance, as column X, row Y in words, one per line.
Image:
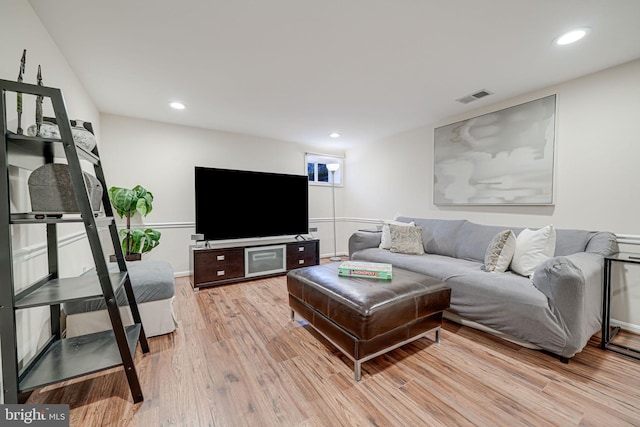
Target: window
column 319, row 173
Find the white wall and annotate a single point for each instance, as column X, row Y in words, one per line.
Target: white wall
column 21, row 29
column 161, row 157
column 597, row 153
column 597, row 173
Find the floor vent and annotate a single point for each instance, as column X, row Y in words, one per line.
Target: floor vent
column 477, row 95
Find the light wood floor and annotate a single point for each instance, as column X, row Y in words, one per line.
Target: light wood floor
column 236, row 360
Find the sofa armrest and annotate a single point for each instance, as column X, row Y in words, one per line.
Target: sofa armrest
column 603, row 243
column 573, row 286
column 363, row 240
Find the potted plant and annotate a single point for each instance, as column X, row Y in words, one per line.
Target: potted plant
column 127, row 202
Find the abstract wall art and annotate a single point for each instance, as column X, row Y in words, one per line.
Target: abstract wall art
column 500, row 158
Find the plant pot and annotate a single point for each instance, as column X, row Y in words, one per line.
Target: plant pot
column 132, row 257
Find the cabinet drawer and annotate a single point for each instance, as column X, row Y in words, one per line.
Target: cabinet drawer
column 218, row 265
column 301, row 254
column 301, row 249
column 218, row 258
column 211, row 273
column 301, row 261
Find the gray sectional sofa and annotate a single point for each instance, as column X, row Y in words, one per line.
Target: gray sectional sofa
column 556, row 310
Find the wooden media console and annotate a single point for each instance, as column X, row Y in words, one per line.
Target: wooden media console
column 220, row 264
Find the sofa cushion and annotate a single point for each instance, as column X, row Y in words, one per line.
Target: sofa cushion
column 473, row 239
column 533, row 247
column 438, row 266
column 439, row 236
column 406, row 240
column 571, row 241
column 500, row 252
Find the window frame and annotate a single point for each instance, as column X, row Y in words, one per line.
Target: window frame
column 317, row 159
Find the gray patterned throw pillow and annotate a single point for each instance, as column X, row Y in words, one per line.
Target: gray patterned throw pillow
column 406, row 240
column 500, row 252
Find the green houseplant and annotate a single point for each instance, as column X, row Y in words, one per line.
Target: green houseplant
column 127, row 202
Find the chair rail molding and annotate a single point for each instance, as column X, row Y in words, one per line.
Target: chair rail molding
column 166, row 225
column 627, row 239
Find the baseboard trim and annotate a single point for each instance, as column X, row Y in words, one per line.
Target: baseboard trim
column 181, row 273
column 626, row 326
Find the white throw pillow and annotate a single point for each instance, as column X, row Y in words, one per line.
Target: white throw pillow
column 532, row 248
column 385, row 242
column 500, row 252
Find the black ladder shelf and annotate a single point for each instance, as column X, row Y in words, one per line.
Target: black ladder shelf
column 61, row 359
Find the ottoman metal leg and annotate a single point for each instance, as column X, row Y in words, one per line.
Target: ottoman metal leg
column 357, row 370
column 357, row 363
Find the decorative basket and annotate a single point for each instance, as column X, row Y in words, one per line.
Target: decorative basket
column 51, row 190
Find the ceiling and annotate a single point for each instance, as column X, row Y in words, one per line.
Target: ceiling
column 297, row 70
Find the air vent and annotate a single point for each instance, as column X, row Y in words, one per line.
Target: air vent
column 477, row 95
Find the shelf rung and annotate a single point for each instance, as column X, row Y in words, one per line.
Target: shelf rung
column 12, row 136
column 74, row 357
column 39, row 146
column 69, row 289
column 30, row 218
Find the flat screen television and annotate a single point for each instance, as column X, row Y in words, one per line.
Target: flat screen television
column 237, row 204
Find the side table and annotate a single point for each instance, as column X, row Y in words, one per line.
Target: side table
column 607, row 334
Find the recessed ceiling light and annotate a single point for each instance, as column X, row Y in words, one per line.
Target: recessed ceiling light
column 572, row 36
column 177, row 105
column 334, row 135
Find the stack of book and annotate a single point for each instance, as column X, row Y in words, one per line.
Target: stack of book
column 374, row 270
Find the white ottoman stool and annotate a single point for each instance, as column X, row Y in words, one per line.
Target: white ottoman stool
column 154, row 288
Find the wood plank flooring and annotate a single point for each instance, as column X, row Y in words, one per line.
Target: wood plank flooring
column 237, row 360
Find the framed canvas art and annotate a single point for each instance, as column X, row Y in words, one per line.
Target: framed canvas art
column 501, row 158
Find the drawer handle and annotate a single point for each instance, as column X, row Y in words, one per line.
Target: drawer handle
column 220, row 272
column 301, row 249
column 220, row 257
column 300, row 261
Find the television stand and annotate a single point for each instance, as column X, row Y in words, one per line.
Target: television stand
column 221, row 264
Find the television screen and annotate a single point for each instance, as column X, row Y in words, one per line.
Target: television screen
column 235, row 204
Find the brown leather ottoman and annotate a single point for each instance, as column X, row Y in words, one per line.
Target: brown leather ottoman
column 365, row 317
